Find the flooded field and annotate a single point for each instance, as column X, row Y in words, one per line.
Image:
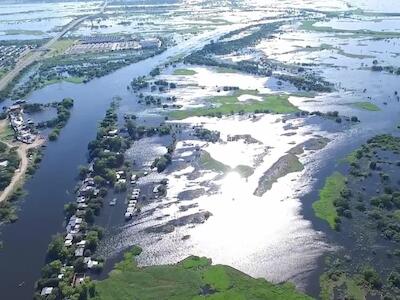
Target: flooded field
column 253, row 140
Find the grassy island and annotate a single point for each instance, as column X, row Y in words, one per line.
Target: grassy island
column 228, row 105
column 325, row 208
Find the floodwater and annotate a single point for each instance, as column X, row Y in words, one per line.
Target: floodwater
column 41, row 211
column 274, row 236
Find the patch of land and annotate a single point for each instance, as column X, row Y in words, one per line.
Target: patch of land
column 229, row 105
column 287, row 164
column 196, row 218
column 184, row 72
column 25, row 32
column 209, row 163
column 366, row 106
column 193, row 278
column 330, row 194
column 317, row 143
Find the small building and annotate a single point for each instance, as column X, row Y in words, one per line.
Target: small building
column 4, row 163
column 79, row 252
column 150, row 43
column 46, row 291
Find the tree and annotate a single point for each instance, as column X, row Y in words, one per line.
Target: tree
column 79, row 265
column 57, row 249
column 83, row 171
column 92, row 240
column 52, row 269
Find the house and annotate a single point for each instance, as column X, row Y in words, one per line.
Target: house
column 113, row 132
column 81, row 244
column 78, row 279
column 15, row 108
column 46, row 291
column 4, row 163
column 150, row 43
column 79, row 252
column 90, row 263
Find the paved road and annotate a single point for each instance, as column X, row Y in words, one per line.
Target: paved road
column 36, row 54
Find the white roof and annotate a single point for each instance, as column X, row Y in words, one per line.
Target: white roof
column 46, row 291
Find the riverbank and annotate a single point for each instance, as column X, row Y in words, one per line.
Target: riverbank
column 22, row 150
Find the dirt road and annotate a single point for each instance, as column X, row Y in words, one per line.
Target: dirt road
column 22, row 150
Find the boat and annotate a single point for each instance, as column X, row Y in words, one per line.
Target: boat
column 128, row 216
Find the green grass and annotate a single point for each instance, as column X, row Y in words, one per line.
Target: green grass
column 365, row 106
column 209, row 163
column 324, row 207
column 22, row 31
column 217, row 278
column 60, row 46
column 397, row 214
column 185, row 281
column 228, row 105
column 353, row 290
column 2, row 72
column 285, row 165
column 184, row 72
column 244, row 171
column 74, row 79
column 226, row 70
column 7, row 133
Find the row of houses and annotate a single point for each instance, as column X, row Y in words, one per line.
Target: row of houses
column 75, row 232
column 99, row 44
column 23, row 130
column 132, row 203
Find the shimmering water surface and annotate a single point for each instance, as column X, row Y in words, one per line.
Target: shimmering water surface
column 274, row 236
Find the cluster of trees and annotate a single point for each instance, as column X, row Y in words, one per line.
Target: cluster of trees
column 207, row 135
column 106, row 151
column 63, row 114
column 307, row 82
column 226, row 46
column 377, row 68
column 139, row 83
column 161, row 163
column 11, row 157
column 137, row 132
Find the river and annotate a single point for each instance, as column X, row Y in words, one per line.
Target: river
column 41, row 210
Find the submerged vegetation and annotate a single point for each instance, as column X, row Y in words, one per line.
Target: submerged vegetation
column 366, row 203
column 193, row 278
